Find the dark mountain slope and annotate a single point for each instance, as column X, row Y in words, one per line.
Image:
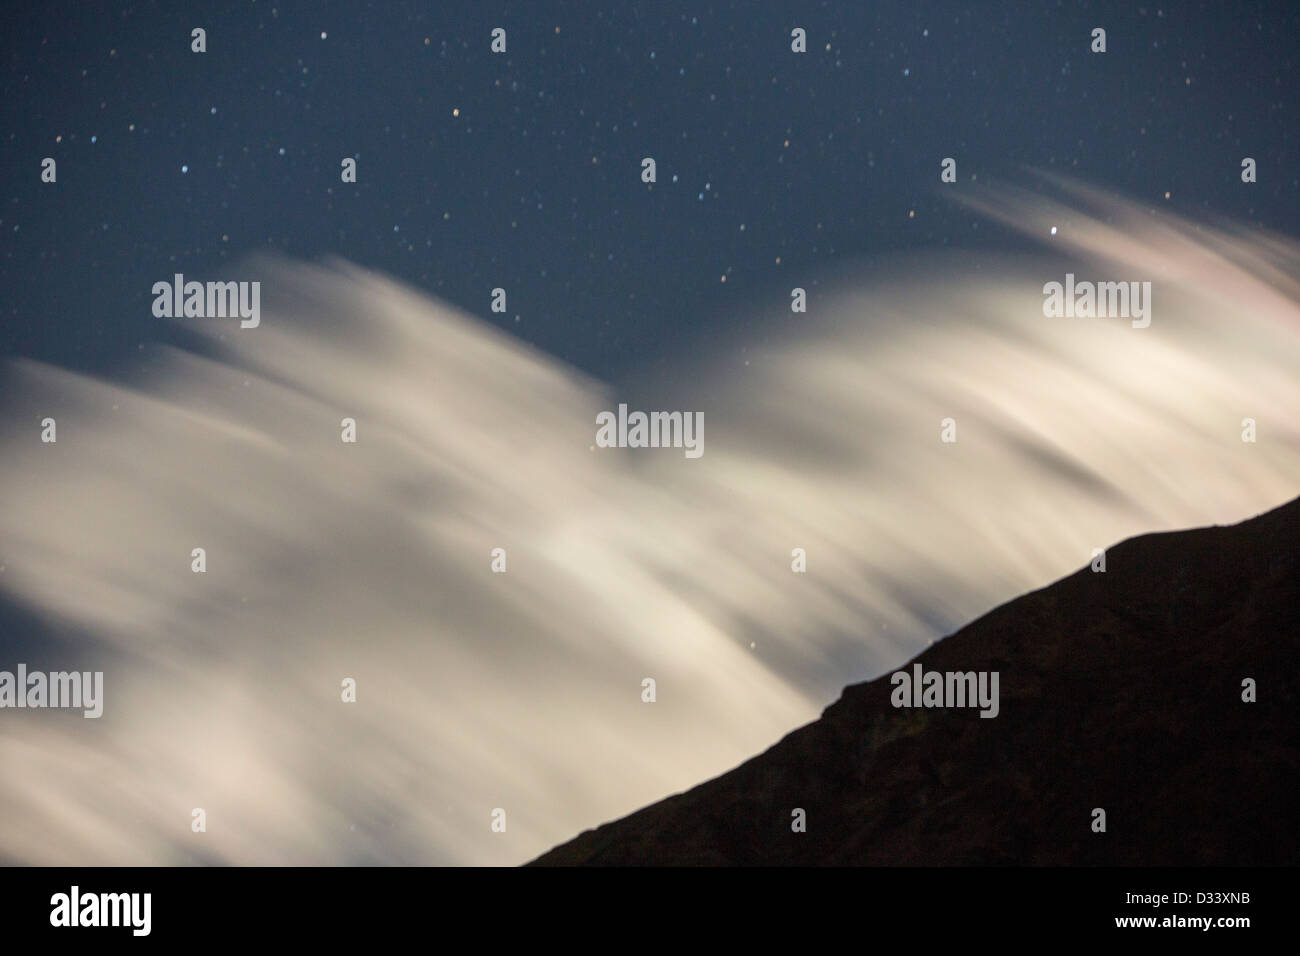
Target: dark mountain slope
column 1120, row 690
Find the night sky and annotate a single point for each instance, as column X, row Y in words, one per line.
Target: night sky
column 522, row 170
column 337, row 562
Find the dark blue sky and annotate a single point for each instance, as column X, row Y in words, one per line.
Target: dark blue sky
column 171, row 161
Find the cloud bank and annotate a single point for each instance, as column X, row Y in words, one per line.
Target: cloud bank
column 522, row 690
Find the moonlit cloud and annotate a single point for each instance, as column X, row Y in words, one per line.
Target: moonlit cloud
column 523, row 690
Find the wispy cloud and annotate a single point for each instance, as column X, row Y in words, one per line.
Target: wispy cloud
column 522, row 690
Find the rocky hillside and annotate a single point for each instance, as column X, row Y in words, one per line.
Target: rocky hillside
column 1119, row 690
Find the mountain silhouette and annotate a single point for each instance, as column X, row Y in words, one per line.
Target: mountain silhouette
column 1121, row 691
